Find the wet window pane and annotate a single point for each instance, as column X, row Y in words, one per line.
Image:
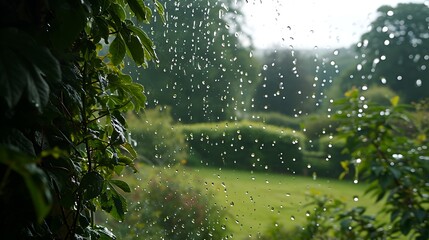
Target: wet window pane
column 271, row 119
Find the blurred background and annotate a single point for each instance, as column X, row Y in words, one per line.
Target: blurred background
column 239, row 126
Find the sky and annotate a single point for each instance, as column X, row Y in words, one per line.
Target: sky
column 308, row 24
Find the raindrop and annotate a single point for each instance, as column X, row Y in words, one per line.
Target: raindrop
column 355, row 198
column 292, row 218
column 336, row 52
column 359, row 67
column 418, row 82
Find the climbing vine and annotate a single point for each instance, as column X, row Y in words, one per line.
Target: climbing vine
column 63, row 135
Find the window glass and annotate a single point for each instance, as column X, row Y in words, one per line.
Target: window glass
column 240, row 136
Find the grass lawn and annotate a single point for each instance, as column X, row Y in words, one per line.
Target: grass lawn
column 255, row 200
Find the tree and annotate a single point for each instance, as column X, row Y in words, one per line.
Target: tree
column 205, row 73
column 393, row 51
column 287, row 84
column 63, row 94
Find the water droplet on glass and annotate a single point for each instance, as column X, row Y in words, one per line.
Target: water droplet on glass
column 355, row 198
column 336, row 52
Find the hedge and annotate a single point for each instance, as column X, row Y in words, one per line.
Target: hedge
column 333, row 148
column 276, row 119
column 158, row 140
column 245, row 145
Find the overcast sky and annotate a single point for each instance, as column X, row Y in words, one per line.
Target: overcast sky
column 311, row 23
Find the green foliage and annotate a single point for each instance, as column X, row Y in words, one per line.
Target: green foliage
column 287, row 84
column 204, row 73
column 380, row 95
column 315, row 126
column 276, row 231
column 276, row 119
column 172, row 205
column 63, row 134
column 333, row 152
column 391, row 159
column 331, row 219
column 393, row 51
column 159, row 141
column 245, row 145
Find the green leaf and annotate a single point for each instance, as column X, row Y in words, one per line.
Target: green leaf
column 38, row 90
column 394, row 101
column 83, row 220
column 69, row 21
column 118, row 11
column 145, row 40
column 91, row 185
column 121, row 184
column 114, row 203
column 105, row 234
column 160, row 9
column 127, row 147
column 148, row 14
column 15, row 139
column 117, row 50
column 137, row 6
column 118, row 134
column 102, row 28
column 13, row 77
column 35, row 179
column 25, row 65
column 135, row 47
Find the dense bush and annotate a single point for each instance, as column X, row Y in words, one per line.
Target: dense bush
column 330, row 218
column 157, row 139
column 318, row 125
column 379, row 94
column 245, row 145
column 333, row 154
column 172, row 205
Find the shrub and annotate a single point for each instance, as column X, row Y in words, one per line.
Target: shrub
column 379, row 95
column 390, row 159
column 245, row 145
column 171, row 205
column 330, row 218
column 332, row 148
column 157, row 139
column 318, row 125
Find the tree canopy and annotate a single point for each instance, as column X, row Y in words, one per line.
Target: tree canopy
column 394, row 50
column 204, row 73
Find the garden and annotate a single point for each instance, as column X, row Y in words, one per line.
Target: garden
column 131, row 119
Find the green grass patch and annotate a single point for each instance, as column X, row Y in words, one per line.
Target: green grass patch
column 255, row 200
